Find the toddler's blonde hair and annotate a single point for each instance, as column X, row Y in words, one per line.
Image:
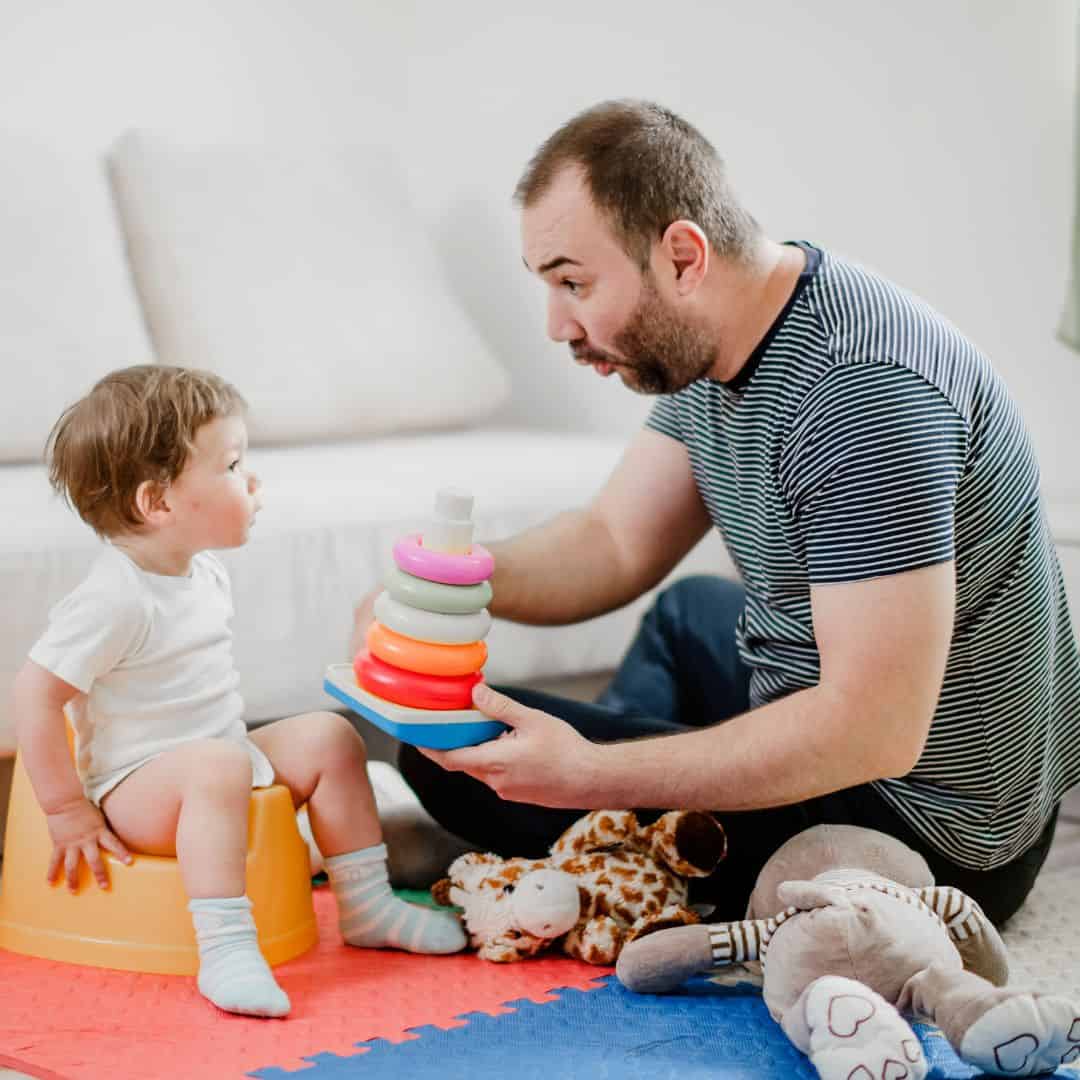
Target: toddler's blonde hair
column 136, row 424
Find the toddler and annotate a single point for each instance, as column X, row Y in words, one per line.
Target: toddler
column 153, row 459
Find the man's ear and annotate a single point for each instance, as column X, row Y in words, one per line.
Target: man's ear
column 686, row 248
column 150, row 502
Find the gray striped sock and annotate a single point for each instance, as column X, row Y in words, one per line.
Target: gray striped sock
column 371, row 916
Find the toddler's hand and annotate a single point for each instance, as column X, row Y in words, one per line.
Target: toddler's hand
column 79, row 831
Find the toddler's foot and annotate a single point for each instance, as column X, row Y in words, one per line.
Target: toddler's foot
column 853, row 1033
column 233, row 974
column 371, row 916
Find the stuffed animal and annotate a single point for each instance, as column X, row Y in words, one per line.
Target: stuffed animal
column 607, row 881
column 850, row 931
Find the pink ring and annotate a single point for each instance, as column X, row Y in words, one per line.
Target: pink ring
column 470, row 569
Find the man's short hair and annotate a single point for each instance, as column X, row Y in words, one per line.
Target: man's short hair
column 136, row 424
column 645, row 167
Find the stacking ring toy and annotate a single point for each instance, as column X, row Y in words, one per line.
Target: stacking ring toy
column 469, row 569
column 422, row 656
column 433, row 596
column 431, row 625
column 412, row 689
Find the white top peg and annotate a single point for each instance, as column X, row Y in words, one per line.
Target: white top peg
column 451, row 529
column 453, row 504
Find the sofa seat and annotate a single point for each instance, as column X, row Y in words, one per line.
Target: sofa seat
column 323, row 539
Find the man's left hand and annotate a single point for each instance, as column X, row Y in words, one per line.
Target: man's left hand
column 541, row 760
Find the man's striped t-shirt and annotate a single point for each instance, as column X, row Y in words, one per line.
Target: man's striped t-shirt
column 864, row 437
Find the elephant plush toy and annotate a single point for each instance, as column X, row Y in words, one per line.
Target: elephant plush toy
column 851, row 932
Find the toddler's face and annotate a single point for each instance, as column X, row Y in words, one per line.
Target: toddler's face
column 216, row 497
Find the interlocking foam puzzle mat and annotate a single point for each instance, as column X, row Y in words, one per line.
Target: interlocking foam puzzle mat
column 365, row 1014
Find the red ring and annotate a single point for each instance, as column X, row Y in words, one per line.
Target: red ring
column 413, row 689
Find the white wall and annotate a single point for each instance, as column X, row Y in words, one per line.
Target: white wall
column 930, row 139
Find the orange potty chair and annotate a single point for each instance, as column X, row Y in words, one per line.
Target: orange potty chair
column 141, row 923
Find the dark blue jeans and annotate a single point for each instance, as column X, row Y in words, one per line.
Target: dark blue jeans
column 683, row 671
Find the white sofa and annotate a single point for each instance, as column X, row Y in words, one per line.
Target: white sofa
column 303, row 278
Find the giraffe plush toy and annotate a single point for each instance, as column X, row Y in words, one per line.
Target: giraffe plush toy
column 851, row 932
column 607, row 881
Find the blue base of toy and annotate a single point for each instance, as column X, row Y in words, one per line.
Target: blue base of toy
column 433, row 728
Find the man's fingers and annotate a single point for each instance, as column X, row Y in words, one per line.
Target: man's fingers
column 111, row 842
column 466, row 760
column 92, row 854
column 498, row 706
column 439, row 757
column 474, row 760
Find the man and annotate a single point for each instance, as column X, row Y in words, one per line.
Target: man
column 899, row 653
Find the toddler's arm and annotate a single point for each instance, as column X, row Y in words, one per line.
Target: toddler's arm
column 77, row 827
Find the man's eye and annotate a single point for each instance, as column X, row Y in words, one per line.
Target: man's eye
column 232, row 467
column 572, row 287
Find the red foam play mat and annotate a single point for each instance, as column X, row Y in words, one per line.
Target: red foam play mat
column 60, row 1020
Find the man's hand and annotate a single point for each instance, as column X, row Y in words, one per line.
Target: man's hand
column 541, row 760
column 78, row 831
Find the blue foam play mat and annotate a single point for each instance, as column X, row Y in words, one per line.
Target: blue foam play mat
column 704, row 1030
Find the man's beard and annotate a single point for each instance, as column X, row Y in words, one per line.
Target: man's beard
column 662, row 353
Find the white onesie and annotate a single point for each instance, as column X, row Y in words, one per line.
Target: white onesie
column 152, row 657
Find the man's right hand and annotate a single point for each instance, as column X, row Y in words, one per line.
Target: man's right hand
column 363, row 617
column 78, row 832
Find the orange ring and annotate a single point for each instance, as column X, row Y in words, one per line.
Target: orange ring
column 412, row 689
column 424, row 656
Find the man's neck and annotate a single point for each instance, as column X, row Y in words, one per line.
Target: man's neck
column 749, row 298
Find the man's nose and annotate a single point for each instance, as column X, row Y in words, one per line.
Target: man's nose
column 561, row 326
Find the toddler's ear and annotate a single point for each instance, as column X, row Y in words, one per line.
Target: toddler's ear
column 150, row 502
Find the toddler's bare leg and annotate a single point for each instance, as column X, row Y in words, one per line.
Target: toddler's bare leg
column 322, row 760
column 192, row 802
column 321, row 757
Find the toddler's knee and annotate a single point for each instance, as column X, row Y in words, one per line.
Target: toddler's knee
column 333, row 738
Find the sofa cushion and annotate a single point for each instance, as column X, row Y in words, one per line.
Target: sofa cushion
column 324, row 539
column 67, row 307
column 304, row 278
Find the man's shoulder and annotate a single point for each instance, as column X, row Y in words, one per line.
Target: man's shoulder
column 845, row 290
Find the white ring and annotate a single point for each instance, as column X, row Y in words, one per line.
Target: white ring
column 431, row 626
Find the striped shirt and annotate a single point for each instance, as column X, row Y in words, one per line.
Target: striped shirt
column 864, row 437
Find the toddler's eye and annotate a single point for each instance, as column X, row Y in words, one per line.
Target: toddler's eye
column 232, row 467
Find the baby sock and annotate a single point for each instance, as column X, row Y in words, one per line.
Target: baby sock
column 370, row 915
column 232, row 971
